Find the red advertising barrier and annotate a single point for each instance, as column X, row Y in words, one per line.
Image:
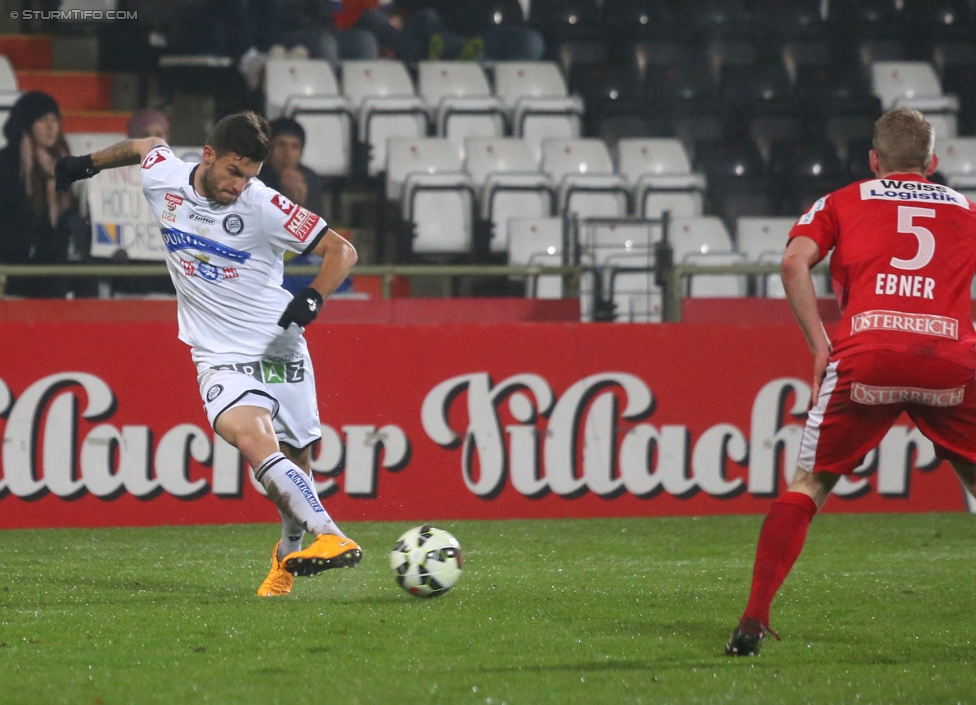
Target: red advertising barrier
column 102, row 425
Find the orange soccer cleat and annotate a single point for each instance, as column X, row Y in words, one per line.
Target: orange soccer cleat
column 279, row 580
column 327, row 551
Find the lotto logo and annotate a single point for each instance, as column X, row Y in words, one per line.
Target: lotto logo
column 283, row 204
column 152, row 159
column 301, row 224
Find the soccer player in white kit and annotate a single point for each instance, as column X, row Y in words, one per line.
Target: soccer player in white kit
column 226, row 234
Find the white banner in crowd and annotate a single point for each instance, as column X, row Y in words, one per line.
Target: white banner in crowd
column 120, row 216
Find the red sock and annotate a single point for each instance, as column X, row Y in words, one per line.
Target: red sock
column 780, row 541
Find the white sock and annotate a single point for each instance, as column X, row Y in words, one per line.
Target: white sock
column 291, row 536
column 294, row 495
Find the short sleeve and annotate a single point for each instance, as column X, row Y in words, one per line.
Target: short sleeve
column 287, row 224
column 158, row 164
column 819, row 224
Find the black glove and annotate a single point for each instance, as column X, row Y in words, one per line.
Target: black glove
column 71, row 169
column 303, row 308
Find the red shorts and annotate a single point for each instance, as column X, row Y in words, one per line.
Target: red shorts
column 863, row 395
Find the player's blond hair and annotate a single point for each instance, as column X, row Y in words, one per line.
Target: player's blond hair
column 904, row 141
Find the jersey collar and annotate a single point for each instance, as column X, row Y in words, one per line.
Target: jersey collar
column 903, row 176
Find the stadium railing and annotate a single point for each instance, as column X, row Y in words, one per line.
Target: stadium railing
column 671, row 278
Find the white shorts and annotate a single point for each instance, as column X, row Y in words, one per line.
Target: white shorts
column 285, row 389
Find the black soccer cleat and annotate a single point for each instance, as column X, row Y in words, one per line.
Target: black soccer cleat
column 747, row 638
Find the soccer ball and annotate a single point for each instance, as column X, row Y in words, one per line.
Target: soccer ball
column 426, row 561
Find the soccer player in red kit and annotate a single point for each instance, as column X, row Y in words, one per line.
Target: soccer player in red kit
column 904, row 257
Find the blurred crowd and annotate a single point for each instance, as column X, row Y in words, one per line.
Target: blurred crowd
column 39, row 225
column 409, row 30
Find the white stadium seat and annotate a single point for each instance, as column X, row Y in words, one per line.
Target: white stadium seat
column 328, row 125
column 306, row 90
column 756, row 235
column 715, row 285
column 583, row 172
column 702, row 234
column 436, row 194
column 537, row 241
column 763, row 240
column 287, row 79
column 459, row 97
column 660, row 176
column 535, row 94
column 382, row 94
column 638, row 156
column 914, row 84
column 509, row 184
column 957, row 161
column 8, row 93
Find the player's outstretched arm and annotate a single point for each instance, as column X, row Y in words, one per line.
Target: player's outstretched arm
column 124, row 153
column 338, row 258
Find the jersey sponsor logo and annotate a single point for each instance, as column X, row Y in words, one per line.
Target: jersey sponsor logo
column 176, row 240
column 214, row 392
column 301, row 224
column 282, row 204
column 301, row 482
column 153, row 158
column 807, row 217
column 922, row 323
column 913, row 191
column 269, row 372
column 168, row 217
column 207, row 271
column 200, row 218
column 173, row 201
column 233, row 224
column 874, row 396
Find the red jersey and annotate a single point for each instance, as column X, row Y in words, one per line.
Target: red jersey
column 903, row 264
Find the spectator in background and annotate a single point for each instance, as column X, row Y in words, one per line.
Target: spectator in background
column 148, row 123
column 284, row 171
column 452, row 30
column 309, row 23
column 301, row 29
column 346, row 13
column 35, row 219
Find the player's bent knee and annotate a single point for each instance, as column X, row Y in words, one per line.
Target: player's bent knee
column 250, row 430
column 817, row 486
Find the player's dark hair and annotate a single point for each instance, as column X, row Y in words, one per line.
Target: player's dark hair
column 245, row 134
column 904, row 140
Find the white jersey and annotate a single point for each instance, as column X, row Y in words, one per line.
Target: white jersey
column 227, row 262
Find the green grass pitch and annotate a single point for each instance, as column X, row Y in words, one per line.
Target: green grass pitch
column 879, row 609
